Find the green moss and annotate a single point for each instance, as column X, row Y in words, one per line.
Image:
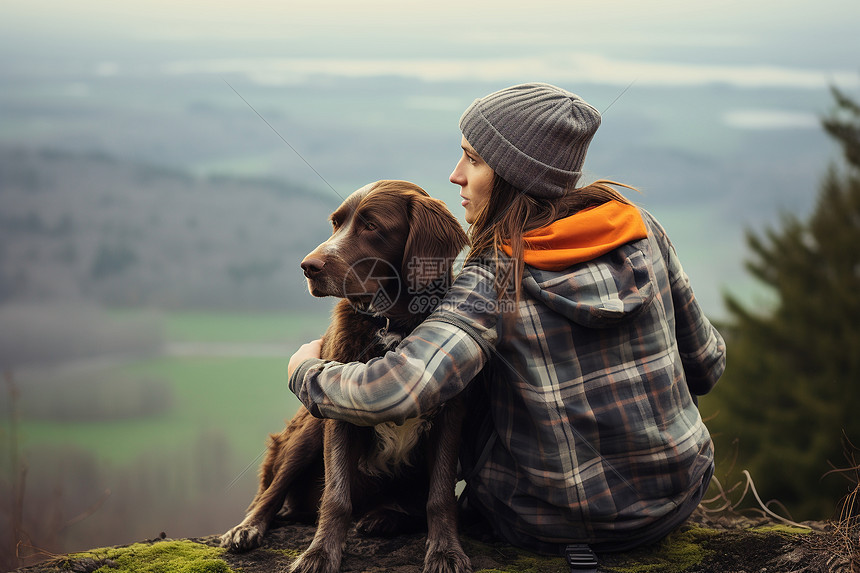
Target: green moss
column 782, row 529
column 527, row 564
column 160, row 557
column 678, row 552
column 530, row 563
column 291, row 553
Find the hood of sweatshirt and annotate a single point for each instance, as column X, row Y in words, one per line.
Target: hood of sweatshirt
column 592, row 267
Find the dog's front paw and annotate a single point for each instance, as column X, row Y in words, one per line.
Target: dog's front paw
column 243, row 537
column 316, row 560
column 451, row 560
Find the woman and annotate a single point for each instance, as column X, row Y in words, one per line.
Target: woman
column 591, row 347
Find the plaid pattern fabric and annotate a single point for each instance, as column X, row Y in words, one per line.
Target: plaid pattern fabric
column 590, row 392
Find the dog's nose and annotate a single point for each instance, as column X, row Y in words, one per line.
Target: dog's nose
column 312, row 266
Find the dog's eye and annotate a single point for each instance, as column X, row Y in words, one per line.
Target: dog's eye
column 334, row 225
column 370, row 225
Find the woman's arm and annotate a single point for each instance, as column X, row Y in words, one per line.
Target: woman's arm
column 430, row 366
column 701, row 347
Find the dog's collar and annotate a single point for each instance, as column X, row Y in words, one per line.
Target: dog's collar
column 386, row 338
column 383, row 322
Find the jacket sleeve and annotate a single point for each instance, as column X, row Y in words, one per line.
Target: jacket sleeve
column 430, row 366
column 701, row 347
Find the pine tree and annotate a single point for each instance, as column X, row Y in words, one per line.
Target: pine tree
column 790, row 398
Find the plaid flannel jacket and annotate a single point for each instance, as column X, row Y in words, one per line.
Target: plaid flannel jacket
column 590, row 392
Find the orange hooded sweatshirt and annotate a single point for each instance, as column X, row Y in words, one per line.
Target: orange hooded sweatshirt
column 583, row 236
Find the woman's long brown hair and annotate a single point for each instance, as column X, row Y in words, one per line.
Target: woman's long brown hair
column 510, row 213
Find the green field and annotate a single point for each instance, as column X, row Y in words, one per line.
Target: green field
column 241, row 327
column 169, row 441
column 242, row 398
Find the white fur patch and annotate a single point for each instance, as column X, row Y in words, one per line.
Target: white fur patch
column 393, row 446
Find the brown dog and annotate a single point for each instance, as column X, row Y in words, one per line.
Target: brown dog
column 389, row 258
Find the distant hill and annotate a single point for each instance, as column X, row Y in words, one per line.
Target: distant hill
column 87, row 226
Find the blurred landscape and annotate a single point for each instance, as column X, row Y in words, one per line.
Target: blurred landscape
column 89, row 227
column 208, row 176
column 159, row 429
column 164, row 170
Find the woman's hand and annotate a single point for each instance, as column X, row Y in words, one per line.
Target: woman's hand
column 309, row 350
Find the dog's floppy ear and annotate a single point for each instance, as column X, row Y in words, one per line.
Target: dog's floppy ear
column 435, row 239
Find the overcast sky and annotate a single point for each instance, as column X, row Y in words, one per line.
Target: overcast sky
column 758, row 42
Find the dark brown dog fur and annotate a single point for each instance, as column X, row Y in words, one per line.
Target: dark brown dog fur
column 385, row 225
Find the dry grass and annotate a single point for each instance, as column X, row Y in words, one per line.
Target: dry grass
column 843, row 541
column 836, row 544
column 726, row 505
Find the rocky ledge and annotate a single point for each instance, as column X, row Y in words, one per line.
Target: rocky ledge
column 703, row 545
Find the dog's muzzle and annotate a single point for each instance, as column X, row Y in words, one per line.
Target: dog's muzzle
column 312, row 266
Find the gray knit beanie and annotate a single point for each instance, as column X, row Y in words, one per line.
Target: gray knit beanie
column 532, row 135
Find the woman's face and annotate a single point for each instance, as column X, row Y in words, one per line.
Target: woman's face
column 475, row 179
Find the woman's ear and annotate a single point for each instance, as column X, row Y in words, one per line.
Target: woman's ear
column 435, row 239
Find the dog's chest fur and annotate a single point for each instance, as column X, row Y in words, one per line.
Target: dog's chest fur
column 353, row 336
column 393, row 446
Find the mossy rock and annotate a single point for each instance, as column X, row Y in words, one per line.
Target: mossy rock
column 693, row 548
column 169, row 556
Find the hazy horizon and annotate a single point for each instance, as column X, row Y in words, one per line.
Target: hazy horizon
column 705, row 106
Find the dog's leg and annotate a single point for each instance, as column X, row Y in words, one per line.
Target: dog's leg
column 444, row 552
column 285, row 461
column 326, row 549
column 302, row 503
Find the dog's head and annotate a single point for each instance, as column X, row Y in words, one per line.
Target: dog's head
column 390, row 241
